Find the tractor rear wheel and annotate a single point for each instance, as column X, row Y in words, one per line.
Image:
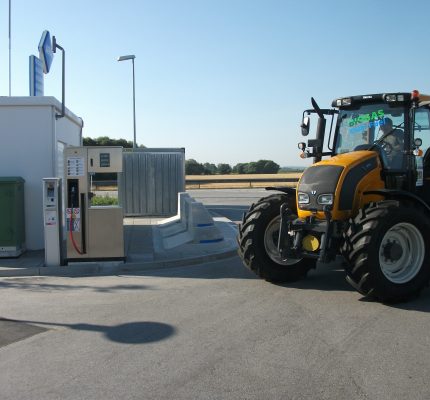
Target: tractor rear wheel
column 385, row 250
column 258, row 242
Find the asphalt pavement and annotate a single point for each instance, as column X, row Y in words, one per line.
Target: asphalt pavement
column 208, row 331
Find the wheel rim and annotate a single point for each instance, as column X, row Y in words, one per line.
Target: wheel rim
column 401, row 253
column 271, row 243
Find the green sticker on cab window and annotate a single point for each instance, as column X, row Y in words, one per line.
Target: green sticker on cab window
column 369, row 117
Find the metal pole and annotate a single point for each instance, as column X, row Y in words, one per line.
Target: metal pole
column 10, row 52
column 134, row 111
column 56, row 46
column 63, row 86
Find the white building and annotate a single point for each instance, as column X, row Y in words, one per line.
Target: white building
column 32, row 141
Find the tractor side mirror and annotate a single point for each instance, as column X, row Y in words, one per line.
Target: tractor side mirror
column 306, row 123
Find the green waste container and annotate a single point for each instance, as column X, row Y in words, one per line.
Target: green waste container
column 12, row 222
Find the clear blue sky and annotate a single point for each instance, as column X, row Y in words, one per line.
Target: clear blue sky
column 226, row 79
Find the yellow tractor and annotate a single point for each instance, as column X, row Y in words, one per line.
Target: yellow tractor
column 366, row 203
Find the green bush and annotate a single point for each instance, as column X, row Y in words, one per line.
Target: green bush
column 104, row 201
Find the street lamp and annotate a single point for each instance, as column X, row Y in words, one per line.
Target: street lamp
column 124, row 58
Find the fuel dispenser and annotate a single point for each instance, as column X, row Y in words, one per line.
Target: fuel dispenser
column 93, row 232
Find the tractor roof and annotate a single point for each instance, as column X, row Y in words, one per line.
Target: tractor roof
column 397, row 97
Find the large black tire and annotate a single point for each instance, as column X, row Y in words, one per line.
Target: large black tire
column 386, row 252
column 257, row 239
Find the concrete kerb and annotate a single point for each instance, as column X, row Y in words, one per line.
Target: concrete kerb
column 188, row 254
column 83, row 269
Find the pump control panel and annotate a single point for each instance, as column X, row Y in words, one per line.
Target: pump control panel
column 50, row 194
column 52, row 222
column 105, row 159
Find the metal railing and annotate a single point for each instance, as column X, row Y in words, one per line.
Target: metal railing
column 199, row 183
column 246, row 182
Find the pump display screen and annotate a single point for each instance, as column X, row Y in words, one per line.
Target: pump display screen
column 104, row 160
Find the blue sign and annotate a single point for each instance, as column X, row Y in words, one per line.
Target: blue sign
column 36, row 77
column 46, row 54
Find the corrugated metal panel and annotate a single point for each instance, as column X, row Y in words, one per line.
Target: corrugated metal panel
column 151, row 181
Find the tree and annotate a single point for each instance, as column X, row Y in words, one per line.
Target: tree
column 107, row 141
column 224, row 169
column 251, row 168
column 210, row 169
column 240, row 168
column 192, row 167
column 261, row 167
column 267, row 167
column 89, row 141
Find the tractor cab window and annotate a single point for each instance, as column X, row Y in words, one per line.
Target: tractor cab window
column 422, row 129
column 422, row 161
column 377, row 126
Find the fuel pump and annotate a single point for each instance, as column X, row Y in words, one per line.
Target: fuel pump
column 93, row 232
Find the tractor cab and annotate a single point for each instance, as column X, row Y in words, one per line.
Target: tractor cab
column 395, row 125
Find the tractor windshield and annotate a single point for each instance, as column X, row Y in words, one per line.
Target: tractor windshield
column 360, row 128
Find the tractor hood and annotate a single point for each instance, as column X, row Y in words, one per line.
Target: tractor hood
column 339, row 183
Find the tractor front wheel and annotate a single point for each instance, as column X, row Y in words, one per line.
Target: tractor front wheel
column 258, row 242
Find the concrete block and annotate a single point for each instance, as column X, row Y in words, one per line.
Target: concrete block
column 192, row 224
column 177, row 240
column 172, row 228
column 207, row 234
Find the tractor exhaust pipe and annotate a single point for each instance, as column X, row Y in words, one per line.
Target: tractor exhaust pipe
column 319, row 140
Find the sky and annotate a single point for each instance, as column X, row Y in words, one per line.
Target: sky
column 228, row 80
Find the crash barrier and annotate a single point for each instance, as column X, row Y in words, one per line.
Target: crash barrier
column 198, row 183
column 192, row 224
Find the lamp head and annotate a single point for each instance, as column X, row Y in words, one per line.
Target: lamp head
column 129, row 57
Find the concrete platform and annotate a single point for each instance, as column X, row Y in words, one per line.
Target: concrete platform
column 143, row 249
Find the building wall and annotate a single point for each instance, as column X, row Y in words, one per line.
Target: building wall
column 29, row 135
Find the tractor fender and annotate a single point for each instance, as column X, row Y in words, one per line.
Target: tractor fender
column 399, row 194
column 286, row 190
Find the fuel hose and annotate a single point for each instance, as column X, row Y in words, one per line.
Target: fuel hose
column 72, row 239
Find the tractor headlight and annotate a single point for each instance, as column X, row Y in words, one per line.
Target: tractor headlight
column 303, row 198
column 325, row 199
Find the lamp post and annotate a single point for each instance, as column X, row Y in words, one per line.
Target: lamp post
column 124, row 58
column 10, row 51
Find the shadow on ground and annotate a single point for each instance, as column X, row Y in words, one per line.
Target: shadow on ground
column 14, row 331
column 128, row 333
column 37, row 284
column 324, row 278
